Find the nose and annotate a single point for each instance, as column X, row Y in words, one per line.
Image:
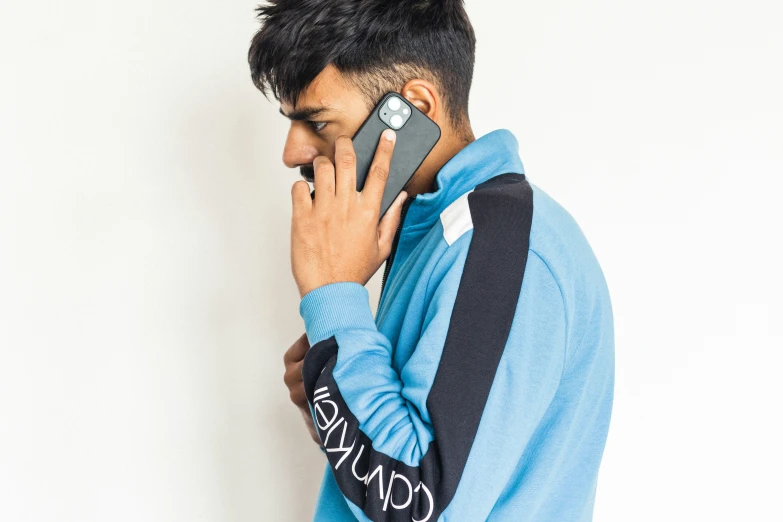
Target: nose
column 299, row 148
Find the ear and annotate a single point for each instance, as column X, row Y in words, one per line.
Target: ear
column 425, row 97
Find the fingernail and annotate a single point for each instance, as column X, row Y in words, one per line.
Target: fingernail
column 389, row 134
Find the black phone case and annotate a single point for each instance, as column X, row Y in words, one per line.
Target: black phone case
column 414, row 141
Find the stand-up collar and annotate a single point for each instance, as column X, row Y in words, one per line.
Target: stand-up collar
column 492, row 154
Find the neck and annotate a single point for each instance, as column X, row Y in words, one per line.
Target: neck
column 448, row 146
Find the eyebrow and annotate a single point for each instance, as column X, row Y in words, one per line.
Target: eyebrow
column 304, row 114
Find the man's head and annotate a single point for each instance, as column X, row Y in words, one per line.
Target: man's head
column 329, row 62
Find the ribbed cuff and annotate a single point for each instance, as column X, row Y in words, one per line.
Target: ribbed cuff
column 334, row 307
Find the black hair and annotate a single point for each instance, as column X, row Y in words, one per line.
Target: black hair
column 377, row 44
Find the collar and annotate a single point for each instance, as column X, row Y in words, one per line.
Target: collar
column 491, row 155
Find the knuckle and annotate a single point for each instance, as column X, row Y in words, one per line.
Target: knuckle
column 347, row 160
column 380, row 172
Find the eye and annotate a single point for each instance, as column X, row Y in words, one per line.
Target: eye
column 318, row 126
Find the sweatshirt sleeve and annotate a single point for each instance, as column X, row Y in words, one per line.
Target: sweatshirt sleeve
column 391, row 458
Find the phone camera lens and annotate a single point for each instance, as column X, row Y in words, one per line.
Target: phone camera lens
column 396, row 121
column 393, row 103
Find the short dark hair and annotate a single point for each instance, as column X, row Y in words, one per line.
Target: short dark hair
column 378, row 44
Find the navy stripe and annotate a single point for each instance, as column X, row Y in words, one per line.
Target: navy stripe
column 502, row 211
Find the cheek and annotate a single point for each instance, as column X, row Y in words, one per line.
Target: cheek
column 358, row 118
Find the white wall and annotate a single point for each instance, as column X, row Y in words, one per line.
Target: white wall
column 145, row 292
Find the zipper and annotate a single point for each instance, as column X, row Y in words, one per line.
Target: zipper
column 390, row 260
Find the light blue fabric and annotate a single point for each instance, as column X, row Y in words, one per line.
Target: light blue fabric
column 539, row 445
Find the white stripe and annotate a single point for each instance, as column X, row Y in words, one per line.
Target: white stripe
column 456, row 219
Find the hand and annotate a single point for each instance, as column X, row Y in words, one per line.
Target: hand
column 336, row 236
column 293, row 360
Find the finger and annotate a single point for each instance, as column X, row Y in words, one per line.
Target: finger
column 300, row 197
column 387, row 228
column 345, row 165
column 323, row 180
column 293, row 374
column 297, row 351
column 379, row 170
column 298, row 396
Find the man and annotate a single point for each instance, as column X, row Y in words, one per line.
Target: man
column 482, row 389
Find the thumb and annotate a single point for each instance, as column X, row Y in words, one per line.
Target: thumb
column 387, row 228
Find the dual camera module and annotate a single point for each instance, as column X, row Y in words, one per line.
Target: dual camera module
column 395, row 112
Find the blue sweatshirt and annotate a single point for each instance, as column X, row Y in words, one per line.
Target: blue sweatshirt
column 482, row 389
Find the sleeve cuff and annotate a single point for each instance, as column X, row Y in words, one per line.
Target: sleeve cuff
column 334, row 307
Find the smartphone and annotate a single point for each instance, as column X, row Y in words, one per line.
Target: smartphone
column 417, row 134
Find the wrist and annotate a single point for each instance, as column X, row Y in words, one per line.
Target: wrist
column 334, row 307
